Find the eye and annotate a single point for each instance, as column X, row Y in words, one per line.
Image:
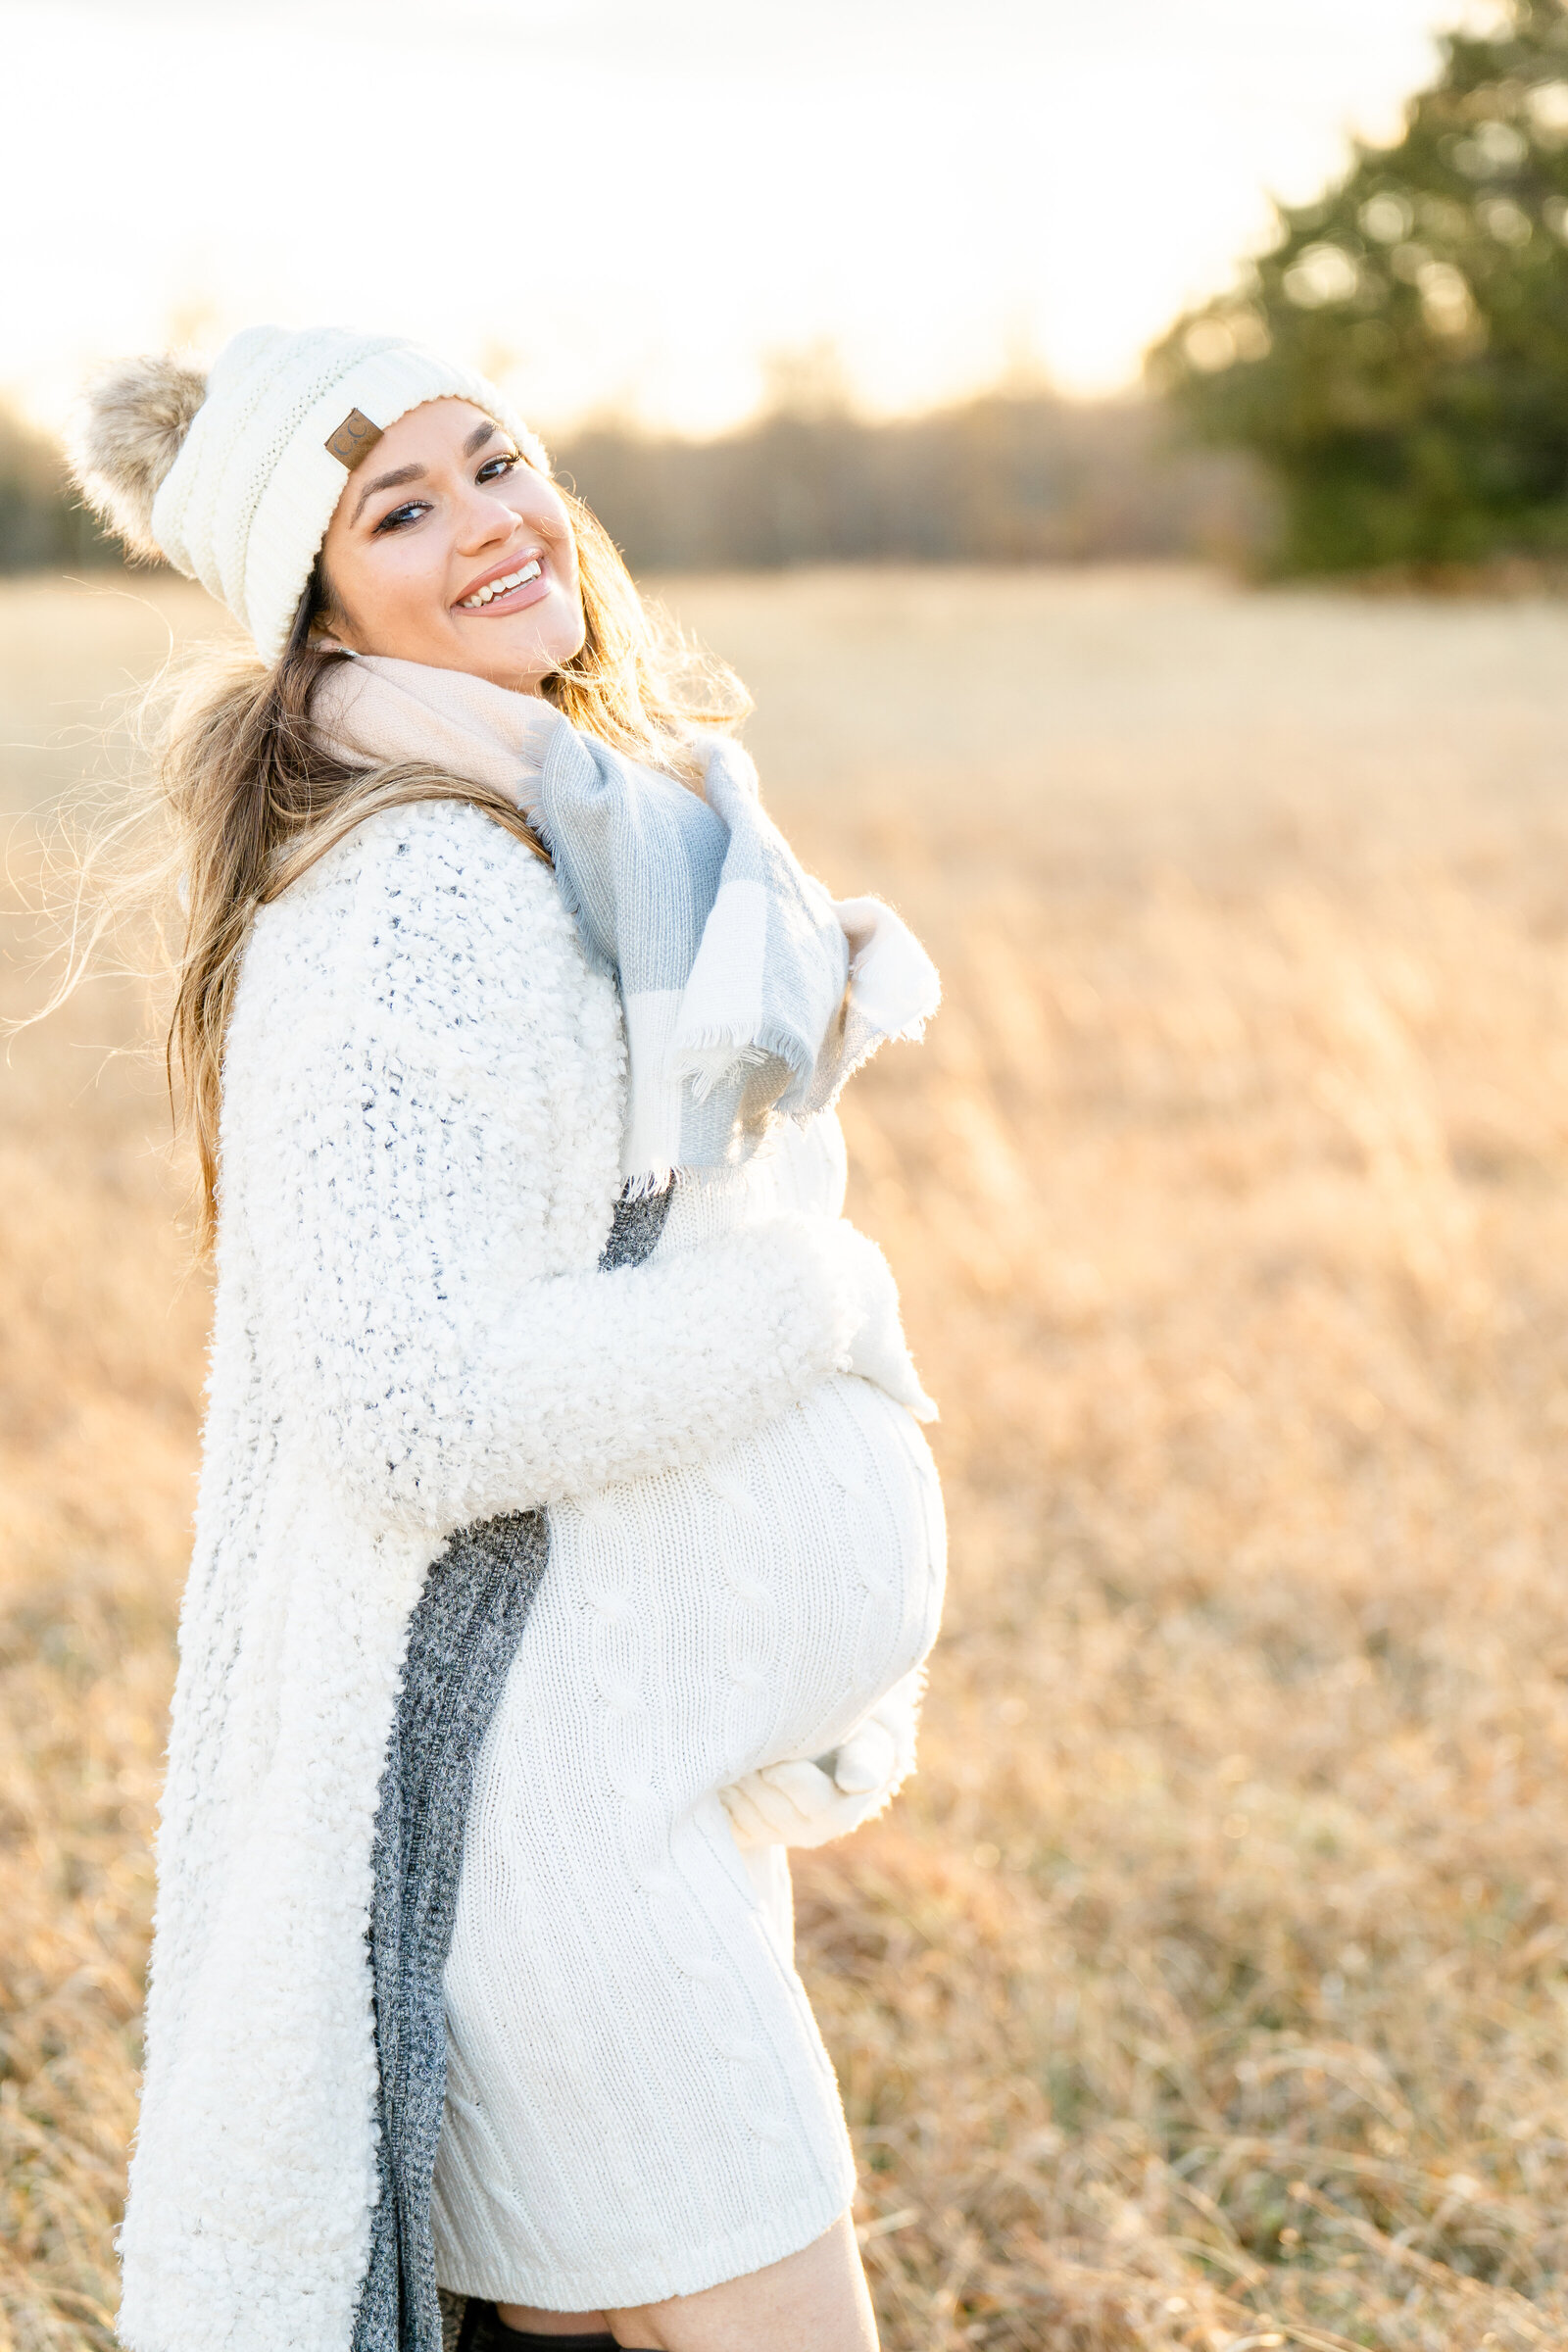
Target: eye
column 493, row 469
column 401, row 516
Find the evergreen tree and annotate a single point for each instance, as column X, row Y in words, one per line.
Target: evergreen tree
column 1399, row 358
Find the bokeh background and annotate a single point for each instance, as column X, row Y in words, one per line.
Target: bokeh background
column 1125, row 451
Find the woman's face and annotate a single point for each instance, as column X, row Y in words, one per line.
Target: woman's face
column 448, row 548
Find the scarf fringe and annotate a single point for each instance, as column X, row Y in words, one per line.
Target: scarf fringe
column 647, row 1182
column 703, row 1066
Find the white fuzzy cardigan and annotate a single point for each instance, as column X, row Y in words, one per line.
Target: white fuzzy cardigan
column 421, row 1155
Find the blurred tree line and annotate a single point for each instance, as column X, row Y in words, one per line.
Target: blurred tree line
column 1019, row 475
column 1399, row 359
column 41, row 524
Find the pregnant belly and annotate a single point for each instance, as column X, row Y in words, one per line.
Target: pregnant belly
column 849, row 1472
column 746, row 1612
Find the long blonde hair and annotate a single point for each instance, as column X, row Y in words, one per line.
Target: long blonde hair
column 253, row 800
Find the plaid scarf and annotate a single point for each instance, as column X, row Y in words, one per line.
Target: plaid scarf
column 747, row 991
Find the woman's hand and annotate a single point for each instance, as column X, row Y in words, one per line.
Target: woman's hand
column 809, row 1804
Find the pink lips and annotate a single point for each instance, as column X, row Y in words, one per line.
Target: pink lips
column 516, row 600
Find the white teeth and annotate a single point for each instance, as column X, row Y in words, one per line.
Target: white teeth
column 493, row 588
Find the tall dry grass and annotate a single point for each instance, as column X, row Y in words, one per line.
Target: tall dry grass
column 1209, row 1987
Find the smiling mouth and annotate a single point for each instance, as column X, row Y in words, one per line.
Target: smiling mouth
column 493, row 589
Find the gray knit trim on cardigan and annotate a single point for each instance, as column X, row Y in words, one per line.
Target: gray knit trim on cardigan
column 462, row 1634
column 634, row 1234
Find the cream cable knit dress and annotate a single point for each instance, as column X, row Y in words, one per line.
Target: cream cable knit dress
column 424, row 1094
column 638, row 2101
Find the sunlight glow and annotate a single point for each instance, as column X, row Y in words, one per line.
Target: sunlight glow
column 629, row 207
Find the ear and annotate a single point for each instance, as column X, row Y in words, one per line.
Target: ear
column 132, row 424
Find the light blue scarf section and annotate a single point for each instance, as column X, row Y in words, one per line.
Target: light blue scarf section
column 733, row 964
column 748, row 992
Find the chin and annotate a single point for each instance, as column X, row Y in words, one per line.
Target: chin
column 527, row 658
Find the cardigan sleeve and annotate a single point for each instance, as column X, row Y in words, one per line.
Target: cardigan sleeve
column 428, row 1415
column 434, row 1375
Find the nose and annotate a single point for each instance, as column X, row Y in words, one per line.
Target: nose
column 487, row 518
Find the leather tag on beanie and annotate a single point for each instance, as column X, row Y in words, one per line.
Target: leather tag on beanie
column 354, row 439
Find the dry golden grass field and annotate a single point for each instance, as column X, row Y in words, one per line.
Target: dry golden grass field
column 1210, row 1987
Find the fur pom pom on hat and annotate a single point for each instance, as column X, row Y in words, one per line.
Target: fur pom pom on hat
column 138, row 412
column 230, row 475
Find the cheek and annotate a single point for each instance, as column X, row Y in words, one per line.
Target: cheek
column 388, row 589
column 568, row 625
column 412, row 580
column 560, row 620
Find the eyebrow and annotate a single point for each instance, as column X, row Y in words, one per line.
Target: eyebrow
column 386, row 481
column 476, row 440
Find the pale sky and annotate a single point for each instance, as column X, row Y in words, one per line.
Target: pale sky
column 630, row 203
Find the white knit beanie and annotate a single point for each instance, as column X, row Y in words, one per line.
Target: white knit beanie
column 234, row 478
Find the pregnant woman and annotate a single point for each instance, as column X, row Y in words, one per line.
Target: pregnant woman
column 565, row 1544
